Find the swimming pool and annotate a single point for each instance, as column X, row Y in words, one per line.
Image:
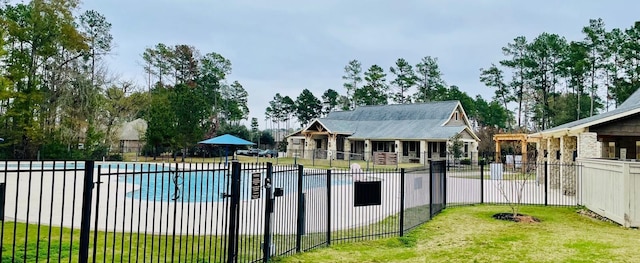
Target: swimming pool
column 47, row 165
column 208, row 186
column 158, row 182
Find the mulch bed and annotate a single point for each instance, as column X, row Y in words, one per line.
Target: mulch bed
column 521, row 218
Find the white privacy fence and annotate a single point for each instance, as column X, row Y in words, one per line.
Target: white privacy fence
column 611, row 189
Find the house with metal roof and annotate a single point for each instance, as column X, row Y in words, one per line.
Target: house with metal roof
column 614, row 134
column 400, row 133
column 611, row 135
column 131, row 135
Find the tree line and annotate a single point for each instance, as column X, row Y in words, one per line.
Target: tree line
column 58, row 99
column 407, row 84
column 553, row 81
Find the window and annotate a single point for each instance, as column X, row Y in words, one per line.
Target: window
column 443, row 149
column 296, row 141
column 612, row 150
column 410, row 147
column 456, row 115
column 383, row 146
column 466, row 150
column 638, row 150
column 405, row 148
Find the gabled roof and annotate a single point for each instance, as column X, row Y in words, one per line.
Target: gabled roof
column 397, row 121
column 133, row 130
column 629, row 107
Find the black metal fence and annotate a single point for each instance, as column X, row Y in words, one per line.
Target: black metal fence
column 131, row 212
column 545, row 183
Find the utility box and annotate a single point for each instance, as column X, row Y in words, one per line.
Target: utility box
column 496, row 171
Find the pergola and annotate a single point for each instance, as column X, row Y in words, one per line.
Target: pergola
column 517, row 137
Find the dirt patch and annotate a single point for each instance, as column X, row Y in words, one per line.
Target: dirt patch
column 520, row 218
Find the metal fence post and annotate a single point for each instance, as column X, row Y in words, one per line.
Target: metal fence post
column 402, row 193
column 430, row 189
column 301, row 210
column 266, row 246
column 482, row 183
column 444, row 186
column 85, row 223
column 546, row 180
column 328, row 207
column 3, row 192
column 232, row 246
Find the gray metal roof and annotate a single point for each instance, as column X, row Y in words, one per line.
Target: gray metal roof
column 133, row 130
column 397, row 121
column 632, row 103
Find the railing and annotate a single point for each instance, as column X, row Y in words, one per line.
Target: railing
column 126, row 212
column 517, row 183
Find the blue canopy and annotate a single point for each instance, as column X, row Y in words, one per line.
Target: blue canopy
column 227, row 139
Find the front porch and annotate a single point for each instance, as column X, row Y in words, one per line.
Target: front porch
column 325, row 145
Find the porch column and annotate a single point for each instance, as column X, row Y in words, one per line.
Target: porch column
column 425, row 152
column 347, row 149
column 309, row 146
column 332, row 146
column 523, row 146
column 588, row 145
column 541, row 146
column 367, row 149
column 554, row 171
column 474, row 152
column 568, row 172
column 560, row 162
column 398, row 151
column 498, row 157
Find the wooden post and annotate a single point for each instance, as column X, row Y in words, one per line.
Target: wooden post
column 523, row 144
column 498, row 159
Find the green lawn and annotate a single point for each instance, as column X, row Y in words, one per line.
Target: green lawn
column 119, row 247
column 461, row 234
column 470, row 234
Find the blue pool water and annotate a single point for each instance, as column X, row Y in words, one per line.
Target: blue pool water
column 207, row 186
column 42, row 166
column 159, row 183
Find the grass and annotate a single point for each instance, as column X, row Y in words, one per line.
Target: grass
column 63, row 246
column 460, row 234
column 470, row 234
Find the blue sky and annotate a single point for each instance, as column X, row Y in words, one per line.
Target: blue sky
column 286, row 46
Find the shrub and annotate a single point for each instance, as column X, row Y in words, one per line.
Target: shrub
column 115, row 157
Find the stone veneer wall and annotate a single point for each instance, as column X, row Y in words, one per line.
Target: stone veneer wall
column 554, row 167
column 542, row 147
column 567, row 170
column 588, row 145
